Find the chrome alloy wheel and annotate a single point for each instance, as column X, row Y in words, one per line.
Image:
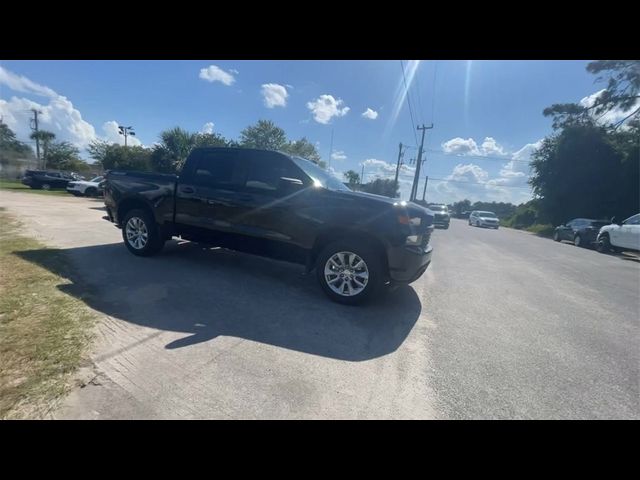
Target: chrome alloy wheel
column 137, row 233
column 346, row 274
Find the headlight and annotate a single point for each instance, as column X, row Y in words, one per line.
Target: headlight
column 414, row 239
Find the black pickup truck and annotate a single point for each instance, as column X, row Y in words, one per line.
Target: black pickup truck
column 272, row 204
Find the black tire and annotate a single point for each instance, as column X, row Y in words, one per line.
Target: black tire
column 154, row 241
column 91, row 192
column 556, row 236
column 604, row 244
column 446, row 227
column 373, row 264
column 45, row 186
column 577, row 240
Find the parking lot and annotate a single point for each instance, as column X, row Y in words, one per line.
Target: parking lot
column 504, row 324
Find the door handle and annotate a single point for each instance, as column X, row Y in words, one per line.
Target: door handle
column 187, row 190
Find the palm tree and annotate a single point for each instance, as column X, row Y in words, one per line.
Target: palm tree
column 45, row 138
column 174, row 148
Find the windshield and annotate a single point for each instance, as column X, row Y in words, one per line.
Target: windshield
column 97, row 179
column 487, row 214
column 319, row 176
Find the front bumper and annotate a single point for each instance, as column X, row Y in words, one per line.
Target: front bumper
column 489, row 224
column 407, row 264
column 441, row 222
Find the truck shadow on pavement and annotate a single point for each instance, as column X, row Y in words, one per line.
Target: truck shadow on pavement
column 207, row 293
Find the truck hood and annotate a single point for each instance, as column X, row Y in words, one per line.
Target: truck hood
column 379, row 202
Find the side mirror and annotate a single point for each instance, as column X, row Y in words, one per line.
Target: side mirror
column 290, row 184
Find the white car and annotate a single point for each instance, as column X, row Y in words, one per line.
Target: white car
column 89, row 188
column 479, row 218
column 625, row 236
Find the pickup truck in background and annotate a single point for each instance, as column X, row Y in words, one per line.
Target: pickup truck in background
column 272, row 204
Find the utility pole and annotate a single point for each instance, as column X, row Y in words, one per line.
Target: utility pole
column 424, row 192
column 398, row 166
column 35, row 128
column 126, row 131
column 414, row 189
column 362, row 175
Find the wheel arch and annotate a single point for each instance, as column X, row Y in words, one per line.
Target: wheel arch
column 331, row 235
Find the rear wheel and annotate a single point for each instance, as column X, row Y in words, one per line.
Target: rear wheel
column 348, row 272
column 577, row 240
column 141, row 234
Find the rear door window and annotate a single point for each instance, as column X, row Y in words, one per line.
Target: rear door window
column 219, row 169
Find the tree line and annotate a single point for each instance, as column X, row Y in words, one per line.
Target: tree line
column 169, row 154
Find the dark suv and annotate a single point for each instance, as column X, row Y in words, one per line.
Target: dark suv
column 581, row 231
column 276, row 205
column 47, row 180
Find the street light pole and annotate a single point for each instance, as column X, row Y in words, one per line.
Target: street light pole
column 126, row 131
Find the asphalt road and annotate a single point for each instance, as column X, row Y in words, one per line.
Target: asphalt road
column 503, row 325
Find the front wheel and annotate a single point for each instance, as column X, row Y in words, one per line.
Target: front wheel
column 91, row 192
column 349, row 273
column 46, row 186
column 604, row 244
column 141, row 234
column 556, row 236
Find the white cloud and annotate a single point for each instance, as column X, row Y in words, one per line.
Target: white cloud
column 213, row 73
column 233, row 70
column 491, row 147
column 460, row 146
column 208, row 127
column 58, row 114
column 338, row 155
column 519, row 164
column 274, row 95
column 325, row 107
column 612, row 116
column 112, row 134
column 370, row 114
column 472, row 181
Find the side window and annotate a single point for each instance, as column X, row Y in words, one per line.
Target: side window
column 218, row 170
column 635, row 220
column 265, row 171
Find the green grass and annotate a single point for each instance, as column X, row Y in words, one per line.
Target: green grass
column 542, row 230
column 44, row 333
column 16, row 186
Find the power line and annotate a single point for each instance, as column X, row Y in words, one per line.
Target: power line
column 468, row 183
column 481, row 157
column 420, row 111
column 413, row 122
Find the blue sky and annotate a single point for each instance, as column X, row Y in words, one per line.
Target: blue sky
column 485, row 113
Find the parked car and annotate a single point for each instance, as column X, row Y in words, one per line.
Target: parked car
column 441, row 215
column 480, row 218
column 284, row 207
column 623, row 236
column 582, row 232
column 89, row 188
column 47, row 180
